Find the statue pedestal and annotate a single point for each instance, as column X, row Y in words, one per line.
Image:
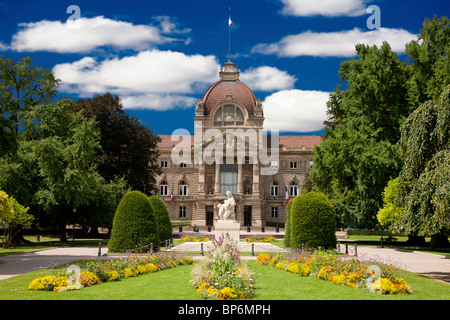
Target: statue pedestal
column 222, row 227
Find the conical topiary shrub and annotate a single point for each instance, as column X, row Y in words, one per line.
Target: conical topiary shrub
column 162, row 218
column 313, row 221
column 134, row 224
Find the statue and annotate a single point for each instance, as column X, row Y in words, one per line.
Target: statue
column 227, row 208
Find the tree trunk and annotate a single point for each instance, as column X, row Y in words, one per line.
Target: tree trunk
column 416, row 240
column 439, row 241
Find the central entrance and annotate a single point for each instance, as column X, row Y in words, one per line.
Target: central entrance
column 209, row 215
column 247, row 215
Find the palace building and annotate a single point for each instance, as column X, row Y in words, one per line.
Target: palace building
column 228, row 121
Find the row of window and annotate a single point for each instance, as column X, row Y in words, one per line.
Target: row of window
column 273, row 164
column 182, row 212
column 274, row 189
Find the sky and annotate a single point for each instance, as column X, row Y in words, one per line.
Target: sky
column 160, row 57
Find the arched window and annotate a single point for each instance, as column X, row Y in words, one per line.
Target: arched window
column 274, row 189
column 293, row 189
column 228, row 178
column 229, row 115
column 163, row 188
column 182, row 191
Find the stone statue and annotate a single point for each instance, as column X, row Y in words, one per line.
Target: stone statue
column 227, row 208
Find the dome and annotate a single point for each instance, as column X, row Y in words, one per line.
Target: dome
column 229, row 85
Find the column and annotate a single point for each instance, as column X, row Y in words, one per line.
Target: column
column 217, row 180
column 240, row 189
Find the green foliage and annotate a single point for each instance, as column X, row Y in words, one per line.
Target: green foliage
column 287, row 231
column 425, row 148
column 357, row 155
column 134, row 223
column 162, row 218
column 21, row 87
column 313, row 221
column 429, row 62
column 389, row 213
column 6, row 211
column 128, row 148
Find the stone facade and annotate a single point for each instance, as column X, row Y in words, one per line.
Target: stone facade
column 230, row 114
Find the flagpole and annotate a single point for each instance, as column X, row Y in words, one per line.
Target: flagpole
column 229, row 35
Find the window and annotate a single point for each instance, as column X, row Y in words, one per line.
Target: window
column 229, row 115
column 228, row 178
column 183, row 188
column 163, row 188
column 183, row 164
column 293, row 189
column 182, row 211
column 274, row 189
column 293, row 164
column 274, row 212
column 164, row 164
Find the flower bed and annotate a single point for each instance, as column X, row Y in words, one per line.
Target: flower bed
column 261, row 239
column 91, row 272
column 191, row 238
column 222, row 275
column 340, row 270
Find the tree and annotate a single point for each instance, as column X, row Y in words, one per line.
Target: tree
column 429, row 63
column 313, row 222
column 389, row 213
column 162, row 218
column 424, row 188
column 21, row 87
column 128, row 148
column 134, row 224
column 357, row 155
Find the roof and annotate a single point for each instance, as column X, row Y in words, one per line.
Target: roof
column 288, row 141
column 238, row 90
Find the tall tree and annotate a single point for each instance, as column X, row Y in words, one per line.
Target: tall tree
column 428, row 60
column 424, row 191
column 21, row 87
column 128, row 148
column 357, row 156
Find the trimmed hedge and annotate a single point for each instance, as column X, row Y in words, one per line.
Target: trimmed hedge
column 162, row 218
column 287, row 231
column 134, row 223
column 313, row 222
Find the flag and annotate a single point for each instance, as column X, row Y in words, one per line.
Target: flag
column 286, row 194
column 172, row 197
column 229, row 19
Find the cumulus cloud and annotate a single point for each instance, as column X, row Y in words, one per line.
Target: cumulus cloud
column 155, row 101
column 85, row 34
column 335, row 44
column 266, row 78
column 329, row 8
column 143, row 80
column 3, row 47
column 295, row 110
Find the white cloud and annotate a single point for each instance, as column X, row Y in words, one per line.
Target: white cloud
column 3, row 47
column 267, row 78
column 329, row 8
column 153, row 79
column 335, row 44
column 295, row 110
column 155, row 101
column 85, row 34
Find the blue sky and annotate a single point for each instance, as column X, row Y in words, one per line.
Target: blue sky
column 161, row 56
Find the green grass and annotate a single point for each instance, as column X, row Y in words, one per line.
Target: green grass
column 173, row 284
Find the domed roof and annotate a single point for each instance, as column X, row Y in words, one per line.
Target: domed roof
column 229, row 85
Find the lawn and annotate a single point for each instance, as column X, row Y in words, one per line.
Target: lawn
column 173, row 284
